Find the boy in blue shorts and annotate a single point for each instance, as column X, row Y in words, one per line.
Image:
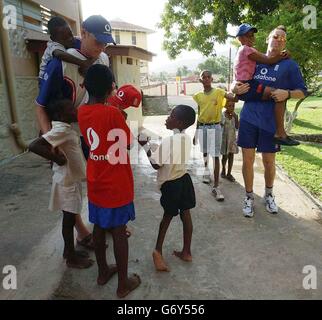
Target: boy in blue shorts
column 178, row 195
column 109, row 176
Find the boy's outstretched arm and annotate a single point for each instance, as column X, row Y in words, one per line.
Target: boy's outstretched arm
column 44, row 149
column 231, row 97
column 147, row 149
column 154, row 165
column 262, row 58
column 72, row 59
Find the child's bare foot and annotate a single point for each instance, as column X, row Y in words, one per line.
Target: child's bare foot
column 128, row 232
column 77, row 262
column 223, row 175
column 183, row 256
column 159, row 263
column 132, row 283
column 107, row 275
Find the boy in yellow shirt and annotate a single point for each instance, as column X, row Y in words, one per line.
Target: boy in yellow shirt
column 210, row 104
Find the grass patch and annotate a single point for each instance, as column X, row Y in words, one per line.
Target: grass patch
column 304, row 164
column 309, row 117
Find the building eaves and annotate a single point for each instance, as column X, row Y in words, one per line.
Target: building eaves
column 125, row 26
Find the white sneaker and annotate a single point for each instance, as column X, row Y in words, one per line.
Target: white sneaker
column 248, row 207
column 217, row 193
column 270, row 204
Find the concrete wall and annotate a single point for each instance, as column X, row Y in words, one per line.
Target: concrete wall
column 173, row 88
column 126, row 39
column 67, row 8
column 26, row 90
column 25, row 65
column 141, row 42
column 6, row 140
column 155, row 105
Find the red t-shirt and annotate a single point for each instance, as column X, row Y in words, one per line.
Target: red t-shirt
column 109, row 173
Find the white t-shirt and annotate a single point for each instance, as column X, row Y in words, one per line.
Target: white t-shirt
column 71, row 74
column 66, row 190
column 67, row 140
column 172, row 156
column 48, row 55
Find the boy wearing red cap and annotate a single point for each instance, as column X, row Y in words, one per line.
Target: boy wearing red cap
column 125, row 97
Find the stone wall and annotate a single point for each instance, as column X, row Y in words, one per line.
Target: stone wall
column 155, row 105
column 26, row 90
column 5, row 139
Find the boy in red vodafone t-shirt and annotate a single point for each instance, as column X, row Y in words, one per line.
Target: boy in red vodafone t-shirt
column 109, row 177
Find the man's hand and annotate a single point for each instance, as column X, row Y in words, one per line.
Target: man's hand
column 280, row 95
column 240, row 88
column 85, row 66
column 285, row 54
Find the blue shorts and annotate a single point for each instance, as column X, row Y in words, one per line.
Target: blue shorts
column 108, row 218
column 255, row 92
column 253, row 137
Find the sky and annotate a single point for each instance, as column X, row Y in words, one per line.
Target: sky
column 145, row 13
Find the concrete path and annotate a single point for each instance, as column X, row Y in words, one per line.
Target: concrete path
column 234, row 257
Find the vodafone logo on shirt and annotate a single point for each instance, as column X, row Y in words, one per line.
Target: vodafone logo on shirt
column 264, row 71
column 263, row 76
column 93, row 139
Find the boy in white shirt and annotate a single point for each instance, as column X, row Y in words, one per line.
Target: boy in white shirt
column 178, row 195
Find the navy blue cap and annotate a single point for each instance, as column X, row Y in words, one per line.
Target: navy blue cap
column 244, row 28
column 100, row 28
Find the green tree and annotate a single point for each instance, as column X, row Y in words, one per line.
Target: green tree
column 163, row 76
column 195, row 24
column 199, row 25
column 217, row 65
column 182, row 71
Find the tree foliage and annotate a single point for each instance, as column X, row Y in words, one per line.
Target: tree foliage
column 199, row 25
column 183, row 71
column 217, row 65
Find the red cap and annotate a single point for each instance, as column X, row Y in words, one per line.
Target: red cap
column 126, row 96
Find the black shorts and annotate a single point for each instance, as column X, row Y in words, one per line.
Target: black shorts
column 178, row 195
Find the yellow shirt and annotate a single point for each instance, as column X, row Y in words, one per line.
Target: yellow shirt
column 210, row 105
